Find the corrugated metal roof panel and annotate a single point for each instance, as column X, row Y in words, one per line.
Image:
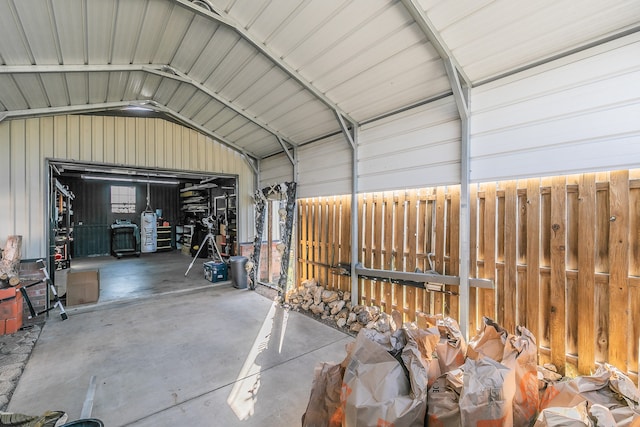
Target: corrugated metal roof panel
column 507, row 35
column 156, row 16
column 193, row 43
column 99, row 19
column 10, row 96
column 31, row 88
column 69, row 19
column 77, row 85
column 56, row 87
column 128, row 27
column 38, row 32
column 12, row 44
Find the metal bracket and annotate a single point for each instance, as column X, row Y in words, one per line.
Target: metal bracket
column 426, row 277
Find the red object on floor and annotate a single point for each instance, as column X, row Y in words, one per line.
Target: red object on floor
column 10, row 310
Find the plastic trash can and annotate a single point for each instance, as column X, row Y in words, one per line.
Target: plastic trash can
column 238, row 271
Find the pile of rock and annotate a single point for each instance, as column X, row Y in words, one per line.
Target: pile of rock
column 336, row 306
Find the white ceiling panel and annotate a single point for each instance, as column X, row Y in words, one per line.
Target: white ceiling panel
column 171, row 34
column 194, row 42
column 98, row 84
column 208, row 111
column 156, row 15
column 56, row 86
column 127, row 32
column 135, row 86
column 231, row 64
column 508, row 35
column 77, row 84
column 101, row 16
column 218, row 47
column 181, row 96
column 69, row 17
column 268, row 83
column 14, row 49
column 10, row 96
column 221, row 118
column 166, row 90
column 117, row 85
column 256, row 69
column 231, row 126
column 195, row 104
column 31, row 88
column 39, row 33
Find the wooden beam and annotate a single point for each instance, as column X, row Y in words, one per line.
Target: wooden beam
column 558, row 273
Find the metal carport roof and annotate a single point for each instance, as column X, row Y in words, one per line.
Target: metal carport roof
column 260, row 75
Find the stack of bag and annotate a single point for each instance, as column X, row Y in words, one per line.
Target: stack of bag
column 427, row 375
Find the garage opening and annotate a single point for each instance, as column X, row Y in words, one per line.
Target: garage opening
column 140, row 228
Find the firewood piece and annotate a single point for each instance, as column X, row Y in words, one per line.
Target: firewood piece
column 11, row 256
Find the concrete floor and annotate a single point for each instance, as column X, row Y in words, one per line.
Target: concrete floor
column 174, row 352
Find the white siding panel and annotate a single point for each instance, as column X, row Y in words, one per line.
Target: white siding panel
column 324, row 168
column 275, row 169
column 417, row 148
column 25, row 144
column 576, row 114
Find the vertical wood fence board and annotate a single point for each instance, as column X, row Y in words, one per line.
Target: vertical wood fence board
column 500, row 267
column 619, row 269
column 438, row 300
column 586, row 273
column 302, row 221
column 602, row 230
column 634, row 270
column 411, row 243
column 454, row 250
column 331, row 258
column 510, row 255
column 473, row 258
column 324, row 239
column 422, row 250
column 522, row 256
column 558, row 273
column 488, row 296
column 345, row 239
column 602, row 321
column 377, row 242
column 361, row 247
column 398, row 242
column 545, row 261
column 315, row 240
column 390, row 304
column 368, row 246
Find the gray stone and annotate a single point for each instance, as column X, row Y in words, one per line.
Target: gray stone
column 355, row 327
column 329, row 296
column 351, row 318
column 317, row 297
column 336, row 309
column 341, row 322
column 10, row 374
column 15, row 358
column 6, row 387
column 4, row 401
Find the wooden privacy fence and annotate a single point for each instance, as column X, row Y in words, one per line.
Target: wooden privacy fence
column 564, row 253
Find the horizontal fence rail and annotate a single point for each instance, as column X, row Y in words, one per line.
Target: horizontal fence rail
column 563, row 252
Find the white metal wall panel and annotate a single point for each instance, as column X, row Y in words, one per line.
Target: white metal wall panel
column 417, row 148
column 324, row 168
column 155, row 143
column 275, row 169
column 573, row 115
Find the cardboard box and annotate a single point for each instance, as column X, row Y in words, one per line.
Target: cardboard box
column 221, row 240
column 83, row 287
column 215, row 271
